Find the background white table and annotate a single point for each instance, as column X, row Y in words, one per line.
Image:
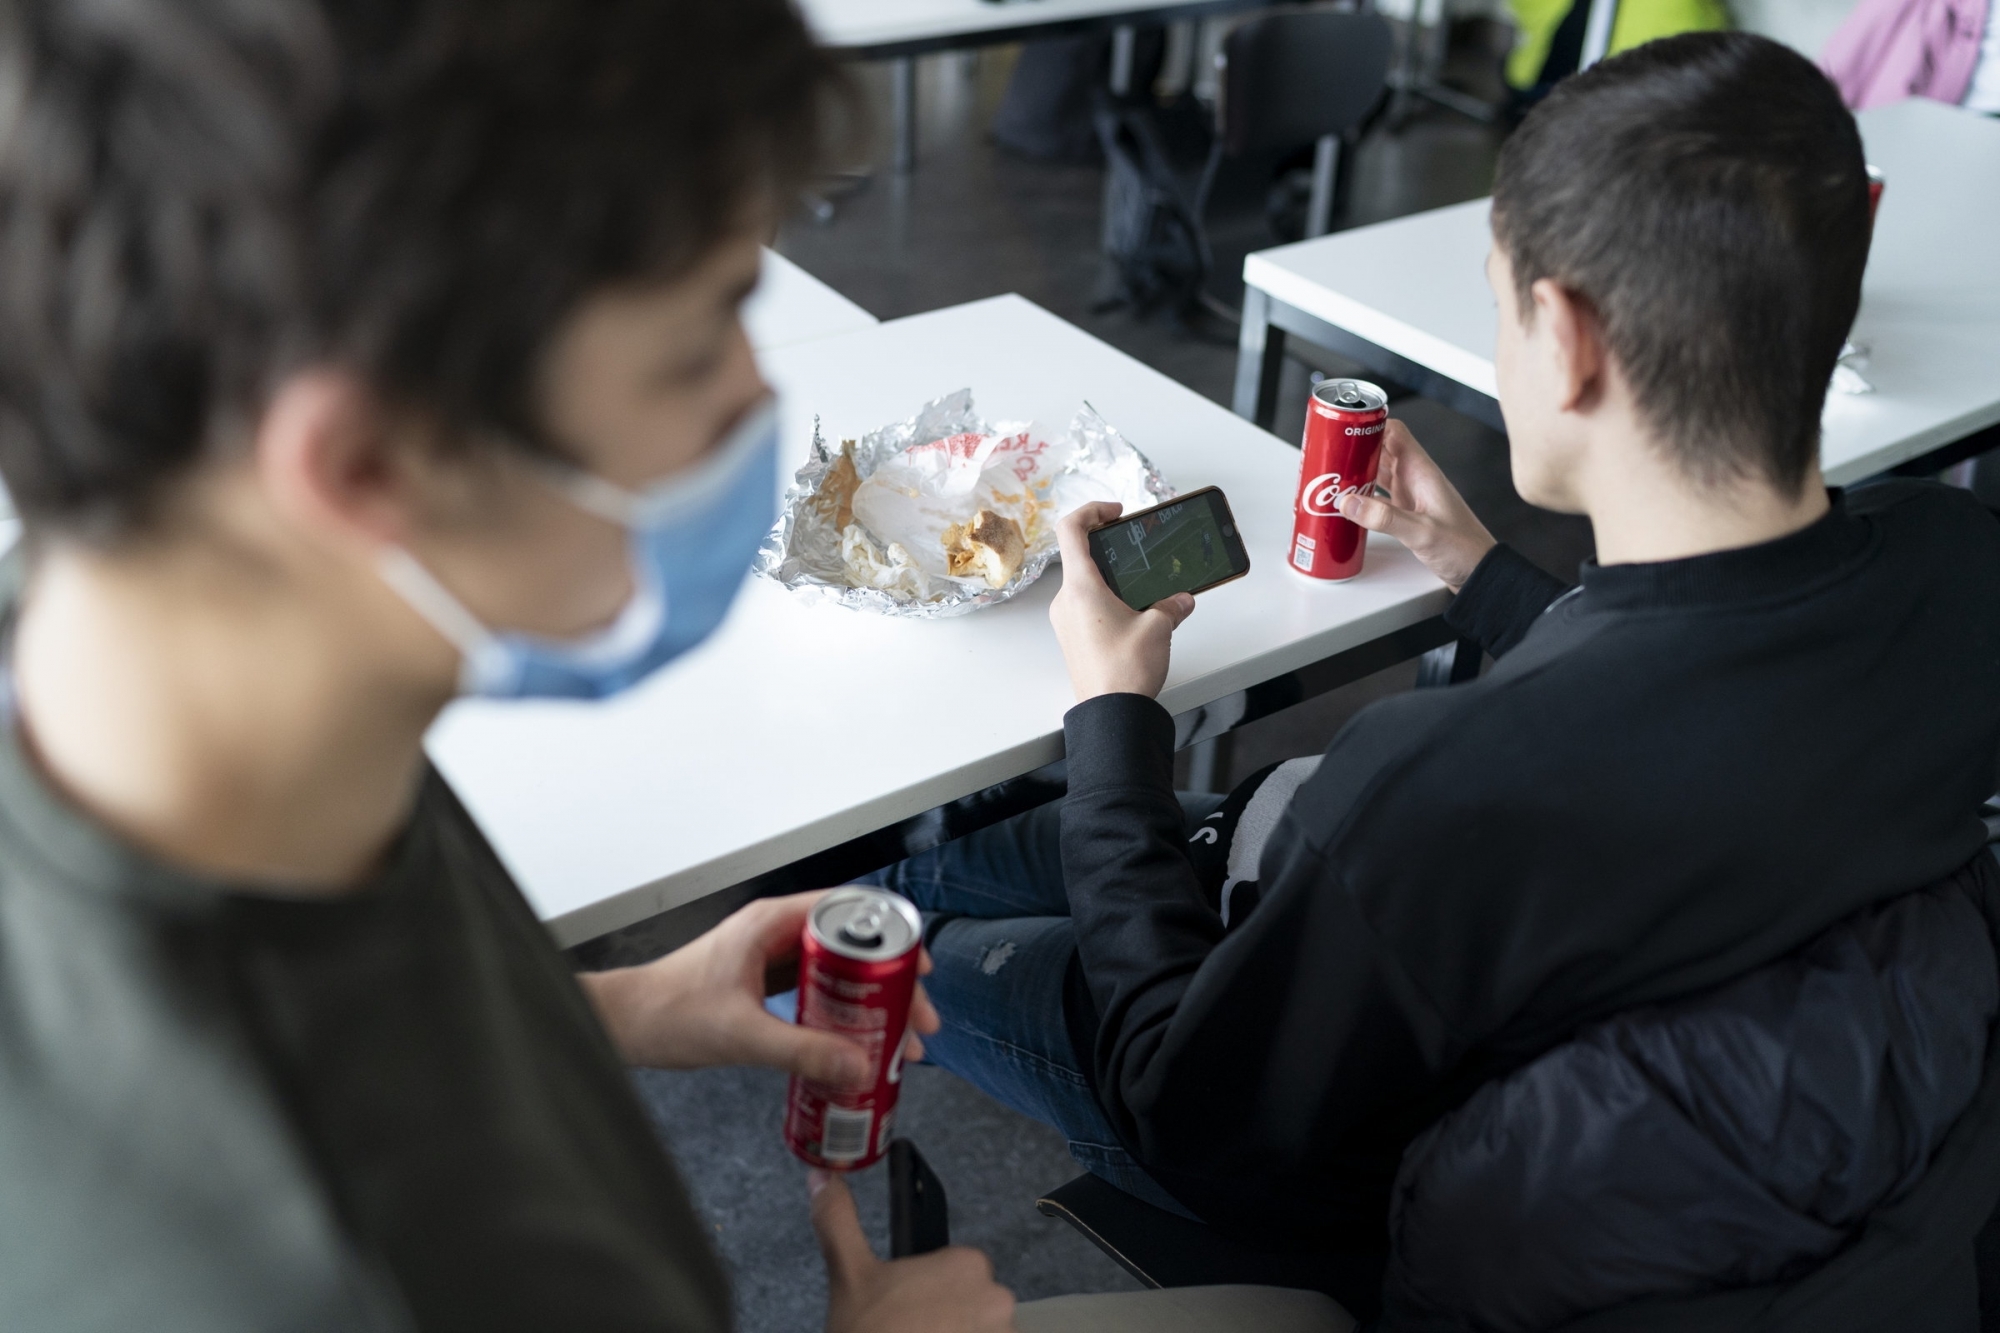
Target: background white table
column 791, row 306
column 899, row 30
column 1408, row 299
column 799, row 727
column 905, row 27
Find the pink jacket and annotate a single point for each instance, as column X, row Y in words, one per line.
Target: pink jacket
column 1888, row 50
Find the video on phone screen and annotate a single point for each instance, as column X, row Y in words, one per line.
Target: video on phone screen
column 1171, row 550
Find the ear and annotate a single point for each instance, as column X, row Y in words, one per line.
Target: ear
column 1575, row 343
column 325, row 456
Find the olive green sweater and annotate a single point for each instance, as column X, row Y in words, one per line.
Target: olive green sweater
column 222, row 1109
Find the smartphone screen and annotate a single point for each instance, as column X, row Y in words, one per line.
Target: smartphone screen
column 1185, row 545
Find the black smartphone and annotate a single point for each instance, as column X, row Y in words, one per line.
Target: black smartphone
column 1188, row 544
column 918, row 1219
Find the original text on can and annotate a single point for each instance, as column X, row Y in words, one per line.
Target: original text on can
column 857, row 974
column 1342, row 446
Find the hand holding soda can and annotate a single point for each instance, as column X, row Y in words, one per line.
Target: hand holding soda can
column 858, row 962
column 1341, row 450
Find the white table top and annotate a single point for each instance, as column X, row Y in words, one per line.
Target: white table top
column 1415, row 286
column 801, row 726
column 790, row 306
column 868, row 23
column 1930, row 305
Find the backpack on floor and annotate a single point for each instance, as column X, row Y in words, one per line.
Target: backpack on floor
column 1157, row 254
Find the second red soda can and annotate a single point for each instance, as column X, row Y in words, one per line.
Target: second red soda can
column 1343, row 445
column 857, row 976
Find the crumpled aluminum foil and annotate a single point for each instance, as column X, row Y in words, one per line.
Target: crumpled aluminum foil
column 1847, row 376
column 1091, row 461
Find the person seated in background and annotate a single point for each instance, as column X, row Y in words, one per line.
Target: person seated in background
column 1947, row 50
column 1658, row 962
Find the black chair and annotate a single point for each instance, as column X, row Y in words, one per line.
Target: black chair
column 1294, row 78
column 1163, row 1249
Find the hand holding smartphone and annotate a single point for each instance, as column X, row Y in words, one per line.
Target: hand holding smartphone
column 1189, row 544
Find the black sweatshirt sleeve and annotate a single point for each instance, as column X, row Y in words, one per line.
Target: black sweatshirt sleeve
column 1502, row 600
column 1202, row 1055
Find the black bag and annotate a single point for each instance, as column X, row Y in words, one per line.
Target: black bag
column 1158, row 255
column 1045, row 112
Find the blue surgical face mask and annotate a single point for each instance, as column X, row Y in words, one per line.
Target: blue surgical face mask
column 692, row 539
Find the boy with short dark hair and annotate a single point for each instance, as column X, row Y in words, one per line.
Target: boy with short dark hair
column 1770, row 711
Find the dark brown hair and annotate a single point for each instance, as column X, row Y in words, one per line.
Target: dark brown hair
column 1706, row 195
column 197, row 196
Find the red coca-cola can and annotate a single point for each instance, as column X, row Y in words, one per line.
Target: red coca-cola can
column 1876, row 180
column 1343, row 445
column 857, row 974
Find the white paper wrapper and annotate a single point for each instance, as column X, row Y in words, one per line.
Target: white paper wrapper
column 936, row 469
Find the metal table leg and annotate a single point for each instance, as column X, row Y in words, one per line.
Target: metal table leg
column 1260, row 357
column 1326, row 171
column 1209, row 763
column 1124, row 39
column 1597, row 26
column 903, row 96
column 1449, row 664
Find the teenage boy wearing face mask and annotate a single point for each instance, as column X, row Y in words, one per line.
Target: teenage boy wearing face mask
column 353, row 358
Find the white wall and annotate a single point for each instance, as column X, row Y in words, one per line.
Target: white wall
column 1803, row 25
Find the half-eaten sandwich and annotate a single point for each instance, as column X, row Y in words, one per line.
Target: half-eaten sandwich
column 990, row 546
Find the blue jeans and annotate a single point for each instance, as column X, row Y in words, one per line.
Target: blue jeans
column 997, row 919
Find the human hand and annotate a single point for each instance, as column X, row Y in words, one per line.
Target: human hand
column 946, row 1291
column 1424, row 511
column 703, row 1004
column 1108, row 647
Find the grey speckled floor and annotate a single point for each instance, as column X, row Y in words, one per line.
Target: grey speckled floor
column 975, row 222
column 724, row 1128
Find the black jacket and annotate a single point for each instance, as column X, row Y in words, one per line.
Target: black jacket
column 1762, row 1155
column 1676, row 774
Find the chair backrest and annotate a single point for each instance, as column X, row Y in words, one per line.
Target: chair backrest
column 1164, row 1250
column 1290, row 77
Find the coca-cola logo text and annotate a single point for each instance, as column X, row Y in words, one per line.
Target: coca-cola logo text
column 1318, row 496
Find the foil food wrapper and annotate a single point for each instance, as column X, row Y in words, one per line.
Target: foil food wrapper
column 920, row 476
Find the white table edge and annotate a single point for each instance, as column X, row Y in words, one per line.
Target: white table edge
column 696, row 882
column 995, row 22
column 1366, row 322
column 627, row 908
column 1916, row 445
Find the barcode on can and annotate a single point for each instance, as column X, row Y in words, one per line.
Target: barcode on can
column 844, row 1135
column 1302, row 554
